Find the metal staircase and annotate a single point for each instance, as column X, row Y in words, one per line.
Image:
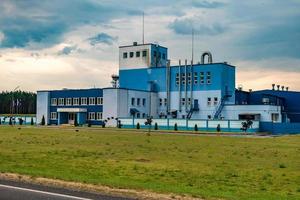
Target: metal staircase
column 194, row 107
column 220, row 108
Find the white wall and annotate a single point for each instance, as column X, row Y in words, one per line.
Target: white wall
column 134, row 63
column 204, row 109
column 232, row 112
column 42, row 106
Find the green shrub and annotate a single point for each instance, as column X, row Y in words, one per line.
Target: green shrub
column 138, row 126
column 175, row 127
column 155, row 126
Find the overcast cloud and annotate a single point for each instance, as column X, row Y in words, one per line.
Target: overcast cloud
column 74, row 43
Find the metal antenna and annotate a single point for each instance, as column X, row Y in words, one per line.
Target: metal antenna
column 143, row 28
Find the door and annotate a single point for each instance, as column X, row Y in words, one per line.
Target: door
column 72, row 118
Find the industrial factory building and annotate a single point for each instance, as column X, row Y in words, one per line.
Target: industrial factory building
column 186, row 94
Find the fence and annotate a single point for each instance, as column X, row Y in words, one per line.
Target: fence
column 280, row 128
column 185, row 124
column 26, row 120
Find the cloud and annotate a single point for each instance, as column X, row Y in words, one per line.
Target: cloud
column 67, row 50
column 44, row 22
column 102, row 38
column 184, row 27
column 207, row 4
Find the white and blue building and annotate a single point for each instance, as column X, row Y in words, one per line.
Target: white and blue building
column 147, row 85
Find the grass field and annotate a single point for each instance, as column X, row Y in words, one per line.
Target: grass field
column 200, row 166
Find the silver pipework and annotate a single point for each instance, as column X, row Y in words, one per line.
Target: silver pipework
column 207, row 53
column 185, row 86
column 179, row 86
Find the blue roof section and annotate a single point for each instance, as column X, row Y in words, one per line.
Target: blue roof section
column 95, row 92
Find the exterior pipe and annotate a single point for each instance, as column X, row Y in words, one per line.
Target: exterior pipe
column 192, row 83
column 185, row 84
column 168, row 86
column 179, row 87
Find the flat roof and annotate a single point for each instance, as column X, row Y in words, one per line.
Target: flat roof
column 146, row 44
column 68, row 89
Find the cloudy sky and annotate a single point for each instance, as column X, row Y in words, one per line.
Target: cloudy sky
column 57, row 44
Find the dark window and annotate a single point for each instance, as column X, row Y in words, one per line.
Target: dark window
column 132, row 101
column 144, row 53
column 138, row 101
column 125, row 55
column 154, row 53
column 164, row 56
column 144, row 102
column 131, row 54
column 138, row 54
column 138, row 115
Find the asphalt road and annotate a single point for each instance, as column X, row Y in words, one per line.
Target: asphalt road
column 10, row 190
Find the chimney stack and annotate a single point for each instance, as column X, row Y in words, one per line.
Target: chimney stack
column 278, row 87
column 273, row 86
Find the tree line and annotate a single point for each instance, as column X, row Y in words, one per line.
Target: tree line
column 17, row 102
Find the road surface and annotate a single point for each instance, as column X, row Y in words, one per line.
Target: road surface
column 10, row 190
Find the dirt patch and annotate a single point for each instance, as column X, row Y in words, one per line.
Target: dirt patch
column 137, row 194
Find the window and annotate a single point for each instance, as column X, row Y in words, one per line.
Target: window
column 189, row 101
column 160, row 102
column 125, row 55
column 208, row 116
column 183, row 101
column 208, row 78
column 83, row 101
column 54, row 102
column 91, row 116
column 189, row 78
column 131, row 54
column 216, row 101
column 99, row 115
column 144, row 102
column 154, row 53
column 132, row 101
column 138, row 115
column 183, row 78
column 177, row 78
column 75, row 101
column 138, row 54
column 144, row 53
column 138, row 101
column 53, row 115
column 92, row 101
column 164, row 56
column 61, row 101
column 144, row 115
column 69, row 102
column 201, row 77
column 275, row 117
column 208, row 101
column 166, row 101
column 195, row 78
column 99, row 100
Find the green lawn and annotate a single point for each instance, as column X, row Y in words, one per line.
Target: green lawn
column 202, row 166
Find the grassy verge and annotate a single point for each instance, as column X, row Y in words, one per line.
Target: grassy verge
column 210, row 167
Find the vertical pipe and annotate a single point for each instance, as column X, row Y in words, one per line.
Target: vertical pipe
column 185, row 85
column 192, row 83
column 168, row 76
column 179, row 87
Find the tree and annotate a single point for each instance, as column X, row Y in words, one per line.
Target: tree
column 0, row 121
column 138, row 126
column 43, row 123
column 155, row 126
column 21, row 121
column 175, row 127
column 196, row 127
column 10, row 121
column 31, row 122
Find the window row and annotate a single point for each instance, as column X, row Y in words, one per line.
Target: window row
column 91, row 116
column 140, row 115
column 212, row 101
column 76, row 101
column 138, row 101
column 163, row 102
column 136, row 54
column 181, row 78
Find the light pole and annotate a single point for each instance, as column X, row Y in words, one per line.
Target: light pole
column 13, row 100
